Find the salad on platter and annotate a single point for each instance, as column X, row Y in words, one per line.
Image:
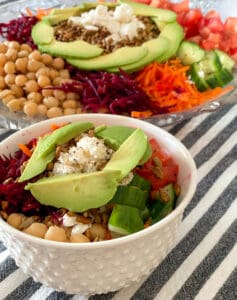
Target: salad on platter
column 84, row 183
column 129, row 58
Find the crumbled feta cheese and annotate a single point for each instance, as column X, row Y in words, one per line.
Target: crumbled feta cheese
column 126, row 180
column 89, row 155
column 80, row 228
column 69, row 221
column 121, row 23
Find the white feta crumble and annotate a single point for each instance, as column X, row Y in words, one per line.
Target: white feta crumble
column 120, row 22
column 89, row 155
column 69, row 221
column 126, row 180
column 80, row 228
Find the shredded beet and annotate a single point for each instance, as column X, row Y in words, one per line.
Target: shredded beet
column 19, row 30
column 13, row 192
column 107, row 92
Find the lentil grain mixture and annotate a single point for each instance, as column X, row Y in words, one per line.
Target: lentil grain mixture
column 66, row 31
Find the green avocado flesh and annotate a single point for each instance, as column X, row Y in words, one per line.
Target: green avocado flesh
column 76, row 192
column 90, row 57
column 45, row 148
column 81, row 191
column 124, row 55
column 156, row 48
column 114, row 136
column 175, row 34
column 128, row 154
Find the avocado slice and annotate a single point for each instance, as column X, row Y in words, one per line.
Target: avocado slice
column 119, row 57
column 175, row 34
column 55, row 19
column 45, row 148
column 76, row 192
column 43, row 36
column 75, row 10
column 156, row 48
column 114, row 136
column 91, row 5
column 128, row 154
column 163, row 15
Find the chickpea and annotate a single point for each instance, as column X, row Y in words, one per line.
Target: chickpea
column 7, row 99
column 31, row 86
column 58, row 63
column 5, row 93
column 43, row 81
column 17, row 90
column 47, row 59
column 15, row 105
column 37, row 229
column 3, row 48
column 54, row 112
column 55, row 233
column 71, row 96
column 42, row 109
column 69, row 111
column 20, row 80
column 97, row 231
column 60, row 95
column 53, row 73
column 10, row 79
column 35, row 97
column 31, row 75
column 3, row 59
column 57, row 81
column 11, row 54
column 79, row 238
column 21, row 64
column 64, row 74
column 42, row 71
column 50, row 102
column 30, row 109
column 35, row 54
column 47, row 92
column 15, row 220
column 23, row 53
column 70, row 104
column 2, row 82
column 9, row 67
column 34, row 65
column 2, row 73
column 14, row 45
column 26, row 47
column 79, row 110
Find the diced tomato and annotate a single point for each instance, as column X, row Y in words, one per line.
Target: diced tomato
column 144, row 1
column 230, row 25
column 190, row 20
column 180, row 7
column 169, row 167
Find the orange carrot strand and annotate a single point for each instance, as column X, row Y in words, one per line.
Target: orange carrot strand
column 25, row 150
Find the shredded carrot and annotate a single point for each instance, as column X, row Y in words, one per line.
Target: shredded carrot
column 169, row 88
column 56, row 126
column 40, row 12
column 141, row 114
column 25, row 149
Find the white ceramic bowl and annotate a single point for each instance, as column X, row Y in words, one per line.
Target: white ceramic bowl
column 93, row 268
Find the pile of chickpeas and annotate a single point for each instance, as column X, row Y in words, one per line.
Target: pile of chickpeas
column 25, row 75
column 45, row 229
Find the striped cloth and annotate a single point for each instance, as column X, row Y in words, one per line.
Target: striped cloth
column 203, row 262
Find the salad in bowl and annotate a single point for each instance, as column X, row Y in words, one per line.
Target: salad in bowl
column 97, row 194
column 149, row 61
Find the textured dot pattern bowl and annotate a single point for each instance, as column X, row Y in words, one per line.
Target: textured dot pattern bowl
column 100, row 267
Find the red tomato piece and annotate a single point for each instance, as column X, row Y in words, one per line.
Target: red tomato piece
column 190, row 20
column 169, row 167
column 180, row 7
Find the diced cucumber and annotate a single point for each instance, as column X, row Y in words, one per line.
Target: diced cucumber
column 141, row 183
column 198, row 77
column 226, row 61
column 130, row 196
column 164, row 204
column 190, row 52
column 220, row 78
column 125, row 220
column 210, row 63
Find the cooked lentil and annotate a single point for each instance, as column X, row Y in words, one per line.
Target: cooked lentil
column 66, row 31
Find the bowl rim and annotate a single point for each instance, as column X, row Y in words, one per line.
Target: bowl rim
column 121, row 240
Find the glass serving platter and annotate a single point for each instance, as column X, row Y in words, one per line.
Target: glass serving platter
column 10, row 9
